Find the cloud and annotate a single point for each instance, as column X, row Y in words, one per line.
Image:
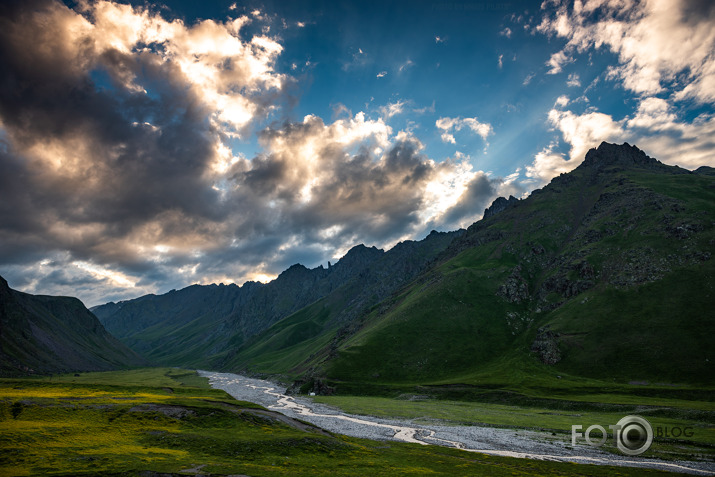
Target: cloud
column 584, row 131
column 548, row 164
column 557, row 62
column 573, row 81
column 562, row 101
column 392, row 109
column 506, row 32
column 381, row 74
column 425, row 109
column 654, row 125
column 439, row 39
column 351, row 180
column 113, row 123
column 528, row 79
column 500, row 61
column 116, row 175
column 405, row 65
column 446, row 124
column 358, row 59
column 659, row 43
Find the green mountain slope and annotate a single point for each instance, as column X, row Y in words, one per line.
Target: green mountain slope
column 211, row 326
column 47, row 334
column 605, row 273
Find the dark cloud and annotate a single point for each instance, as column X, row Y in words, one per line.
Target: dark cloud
column 473, row 201
column 114, row 178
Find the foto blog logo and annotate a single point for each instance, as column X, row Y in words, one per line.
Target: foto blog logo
column 633, row 435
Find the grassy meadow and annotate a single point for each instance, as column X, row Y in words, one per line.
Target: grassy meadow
column 168, row 420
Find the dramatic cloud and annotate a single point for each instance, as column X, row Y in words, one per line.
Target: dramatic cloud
column 141, row 152
column 116, row 171
column 659, row 43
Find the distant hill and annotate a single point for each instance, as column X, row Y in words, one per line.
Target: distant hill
column 209, row 326
column 47, row 334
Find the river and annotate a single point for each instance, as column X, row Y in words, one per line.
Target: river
column 488, row 440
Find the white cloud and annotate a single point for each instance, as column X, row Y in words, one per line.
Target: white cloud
column 382, row 74
column 585, row 131
column 392, row 109
column 548, row 164
column 562, row 101
column 446, row 137
column 654, row 127
column 573, row 80
column 223, row 70
column 528, row 79
column 501, row 63
column 506, row 32
column 660, row 43
column 405, row 65
column 557, row 62
column 446, row 124
column 426, row 109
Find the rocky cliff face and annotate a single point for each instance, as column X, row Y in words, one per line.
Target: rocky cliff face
column 45, row 334
column 499, row 204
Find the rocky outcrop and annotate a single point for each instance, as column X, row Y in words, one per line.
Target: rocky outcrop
column 499, row 204
column 515, row 289
column 546, row 346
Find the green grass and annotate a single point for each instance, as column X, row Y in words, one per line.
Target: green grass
column 168, row 420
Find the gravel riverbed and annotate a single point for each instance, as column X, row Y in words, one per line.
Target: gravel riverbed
column 488, row 440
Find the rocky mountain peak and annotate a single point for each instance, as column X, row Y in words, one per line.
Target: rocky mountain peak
column 360, row 255
column 295, row 270
column 608, row 154
column 499, row 204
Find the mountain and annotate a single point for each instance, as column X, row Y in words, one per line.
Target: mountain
column 208, row 326
column 47, row 334
column 606, row 273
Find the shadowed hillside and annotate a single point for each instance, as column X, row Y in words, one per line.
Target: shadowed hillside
column 47, row 334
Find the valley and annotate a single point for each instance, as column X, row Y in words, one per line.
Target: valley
column 588, row 301
column 168, row 421
column 509, row 431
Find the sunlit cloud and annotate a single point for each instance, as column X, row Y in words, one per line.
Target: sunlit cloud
column 655, row 40
column 447, row 125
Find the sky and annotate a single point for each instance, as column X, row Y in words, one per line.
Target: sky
column 147, row 146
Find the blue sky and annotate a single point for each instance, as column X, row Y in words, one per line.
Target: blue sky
column 149, row 146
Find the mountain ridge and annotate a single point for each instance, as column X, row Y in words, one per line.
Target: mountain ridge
column 534, row 281
column 226, row 316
